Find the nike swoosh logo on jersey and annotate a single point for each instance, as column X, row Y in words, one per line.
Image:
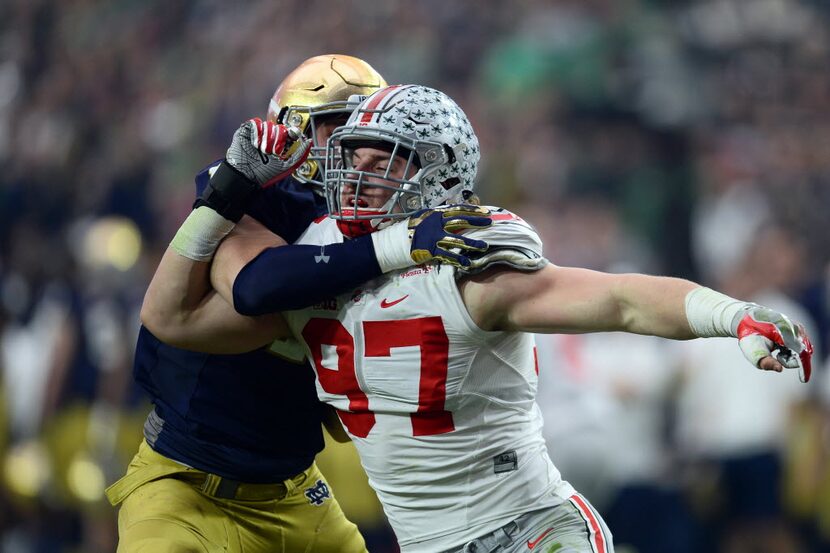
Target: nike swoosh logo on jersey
column 384, row 304
column 534, row 543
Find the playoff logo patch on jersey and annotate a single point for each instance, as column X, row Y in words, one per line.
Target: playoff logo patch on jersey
column 505, row 462
column 318, row 493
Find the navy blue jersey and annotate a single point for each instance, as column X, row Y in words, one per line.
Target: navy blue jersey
column 253, row 417
column 286, row 208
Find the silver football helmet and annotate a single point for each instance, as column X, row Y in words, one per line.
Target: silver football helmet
column 423, row 127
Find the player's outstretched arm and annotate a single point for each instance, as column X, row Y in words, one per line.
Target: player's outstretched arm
column 572, row 300
column 259, row 279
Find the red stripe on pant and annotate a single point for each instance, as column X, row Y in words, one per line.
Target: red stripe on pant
column 597, row 538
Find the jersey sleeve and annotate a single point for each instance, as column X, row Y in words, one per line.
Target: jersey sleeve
column 286, row 208
column 203, row 177
column 511, row 241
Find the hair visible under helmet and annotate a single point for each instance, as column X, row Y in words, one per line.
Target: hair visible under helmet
column 425, row 128
column 316, row 90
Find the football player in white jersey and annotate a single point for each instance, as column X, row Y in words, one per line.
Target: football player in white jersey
column 431, row 369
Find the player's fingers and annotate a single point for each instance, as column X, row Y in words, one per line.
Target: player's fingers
column 450, row 258
column 270, row 144
column 281, row 139
column 300, row 153
column 304, row 149
column 420, row 255
column 256, row 130
column 466, row 210
column 755, row 348
column 462, row 242
column 789, row 334
column 769, row 363
column 267, row 144
column 466, row 222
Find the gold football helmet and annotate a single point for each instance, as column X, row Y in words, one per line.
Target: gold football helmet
column 319, row 90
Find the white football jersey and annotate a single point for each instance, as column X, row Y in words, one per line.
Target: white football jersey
column 442, row 413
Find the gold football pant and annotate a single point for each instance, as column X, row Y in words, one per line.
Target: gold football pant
column 169, row 508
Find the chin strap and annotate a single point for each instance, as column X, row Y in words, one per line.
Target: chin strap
column 352, row 228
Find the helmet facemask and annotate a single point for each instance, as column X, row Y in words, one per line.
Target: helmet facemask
column 349, row 189
column 309, row 119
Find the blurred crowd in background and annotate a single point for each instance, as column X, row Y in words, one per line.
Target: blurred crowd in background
column 688, row 138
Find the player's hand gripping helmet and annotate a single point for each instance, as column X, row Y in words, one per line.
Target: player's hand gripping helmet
column 315, row 91
column 422, row 126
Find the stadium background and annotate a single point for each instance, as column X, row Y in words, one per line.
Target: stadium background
column 677, row 137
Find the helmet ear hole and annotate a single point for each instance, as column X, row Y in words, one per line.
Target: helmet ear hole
column 449, row 183
column 470, row 197
column 450, row 154
column 281, row 115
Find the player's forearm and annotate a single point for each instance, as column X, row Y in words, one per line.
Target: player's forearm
column 574, row 300
column 238, row 249
column 653, row 305
column 180, row 306
column 258, row 274
column 216, row 328
column 181, row 281
column 294, row 277
column 182, row 310
column 178, row 288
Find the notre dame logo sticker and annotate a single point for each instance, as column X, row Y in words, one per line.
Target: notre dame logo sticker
column 317, row 493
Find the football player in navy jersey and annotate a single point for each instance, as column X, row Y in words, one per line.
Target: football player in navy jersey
column 227, row 463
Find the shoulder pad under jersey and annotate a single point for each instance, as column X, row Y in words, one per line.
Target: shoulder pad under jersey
column 511, row 241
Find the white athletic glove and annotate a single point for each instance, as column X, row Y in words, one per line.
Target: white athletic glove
column 429, row 235
column 763, row 332
column 260, row 154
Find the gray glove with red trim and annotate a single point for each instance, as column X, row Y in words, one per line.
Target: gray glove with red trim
column 261, row 153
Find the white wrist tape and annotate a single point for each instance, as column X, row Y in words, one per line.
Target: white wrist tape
column 711, row 314
column 392, row 247
column 200, row 234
